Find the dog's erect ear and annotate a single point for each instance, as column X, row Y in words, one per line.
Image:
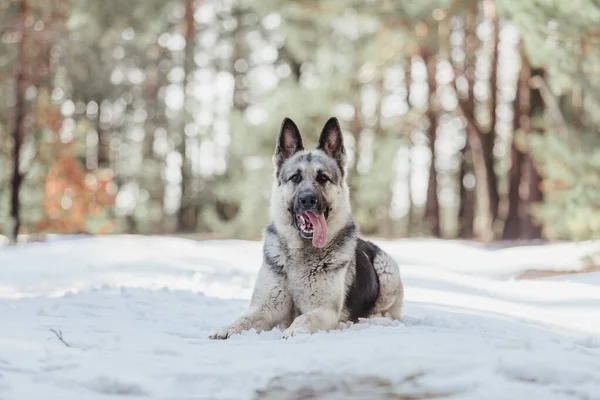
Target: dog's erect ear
column 288, row 143
column 331, row 141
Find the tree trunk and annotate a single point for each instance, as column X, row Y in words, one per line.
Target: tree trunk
column 531, row 229
column 411, row 207
column 482, row 163
column 355, row 130
column 293, row 62
column 488, row 137
column 432, row 208
column 466, row 107
column 103, row 140
column 467, row 198
column 514, row 213
column 154, row 184
column 240, row 102
column 18, row 130
column 186, row 217
column 512, row 224
column 577, row 92
column 385, row 223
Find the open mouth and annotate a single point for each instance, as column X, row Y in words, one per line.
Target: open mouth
column 312, row 226
column 305, row 226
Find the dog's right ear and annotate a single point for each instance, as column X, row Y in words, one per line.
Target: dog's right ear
column 288, row 143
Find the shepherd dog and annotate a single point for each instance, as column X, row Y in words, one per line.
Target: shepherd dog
column 316, row 272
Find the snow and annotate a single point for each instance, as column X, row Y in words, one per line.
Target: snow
column 136, row 313
column 592, row 278
column 503, row 263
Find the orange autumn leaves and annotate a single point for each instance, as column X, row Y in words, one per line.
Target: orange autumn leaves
column 74, row 199
column 72, row 196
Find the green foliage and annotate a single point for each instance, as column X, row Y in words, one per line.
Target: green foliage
column 571, row 171
column 120, row 77
column 372, row 210
column 561, row 36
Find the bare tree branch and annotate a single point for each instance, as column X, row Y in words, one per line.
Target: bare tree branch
column 59, row 335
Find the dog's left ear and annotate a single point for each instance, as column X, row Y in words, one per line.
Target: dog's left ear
column 331, row 142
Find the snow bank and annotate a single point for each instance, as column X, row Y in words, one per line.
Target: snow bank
column 136, row 313
column 489, row 261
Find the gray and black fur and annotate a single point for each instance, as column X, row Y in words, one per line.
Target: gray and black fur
column 303, row 287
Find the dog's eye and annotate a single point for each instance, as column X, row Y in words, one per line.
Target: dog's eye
column 322, row 179
column 296, row 178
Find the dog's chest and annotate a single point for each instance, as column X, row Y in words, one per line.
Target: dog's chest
column 313, row 282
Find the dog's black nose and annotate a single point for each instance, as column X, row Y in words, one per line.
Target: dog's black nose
column 308, row 199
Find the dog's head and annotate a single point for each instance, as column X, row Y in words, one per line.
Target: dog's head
column 310, row 198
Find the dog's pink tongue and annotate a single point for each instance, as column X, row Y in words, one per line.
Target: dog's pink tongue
column 319, row 229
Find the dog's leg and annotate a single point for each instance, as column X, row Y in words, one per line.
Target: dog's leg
column 395, row 311
column 269, row 306
column 321, row 301
column 391, row 290
column 320, row 319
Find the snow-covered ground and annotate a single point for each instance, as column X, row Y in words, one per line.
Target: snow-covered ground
column 136, row 312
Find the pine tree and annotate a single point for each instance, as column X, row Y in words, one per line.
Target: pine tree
column 186, row 217
column 555, row 134
column 515, row 213
column 18, row 126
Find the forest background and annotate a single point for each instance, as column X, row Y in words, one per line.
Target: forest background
column 462, row 118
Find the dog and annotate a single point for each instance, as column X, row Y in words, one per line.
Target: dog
column 316, row 273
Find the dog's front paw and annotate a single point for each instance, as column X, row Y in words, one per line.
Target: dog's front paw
column 224, row 333
column 295, row 331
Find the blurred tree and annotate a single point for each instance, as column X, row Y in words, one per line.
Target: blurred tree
column 21, row 80
column 171, row 109
column 515, row 213
column 488, row 133
column 563, row 99
column 186, row 217
column 75, row 201
column 411, row 211
column 118, row 69
column 37, row 28
column 432, row 207
column 532, row 228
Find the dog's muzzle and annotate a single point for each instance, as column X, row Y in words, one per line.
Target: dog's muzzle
column 309, row 218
